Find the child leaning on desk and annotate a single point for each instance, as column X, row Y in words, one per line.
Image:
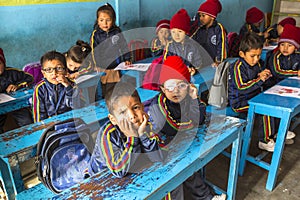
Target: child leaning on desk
column 11, row 80
column 127, row 137
column 247, row 79
column 175, row 109
column 53, row 95
column 210, row 34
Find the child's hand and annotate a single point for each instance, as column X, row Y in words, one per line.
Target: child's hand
column 143, row 126
column 11, row 88
column 127, row 128
column 128, row 63
column 215, row 64
column 193, row 91
column 192, row 71
column 264, row 75
column 61, row 78
column 73, row 75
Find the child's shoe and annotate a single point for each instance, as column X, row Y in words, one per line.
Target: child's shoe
column 219, row 197
column 290, row 135
column 267, row 146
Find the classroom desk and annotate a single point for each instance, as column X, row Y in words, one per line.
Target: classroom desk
column 284, row 108
column 192, row 151
column 19, row 145
column 22, row 100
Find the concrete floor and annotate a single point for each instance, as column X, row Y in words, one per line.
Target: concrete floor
column 251, row 186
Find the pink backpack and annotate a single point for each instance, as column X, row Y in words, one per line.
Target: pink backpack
column 151, row 78
column 35, row 70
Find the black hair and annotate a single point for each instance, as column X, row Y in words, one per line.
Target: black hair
column 79, row 52
column 106, row 8
column 120, row 90
column 251, row 41
column 54, row 55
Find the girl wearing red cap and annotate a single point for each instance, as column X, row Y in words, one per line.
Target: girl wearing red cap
column 175, row 109
column 12, row 79
column 210, row 34
column 159, row 43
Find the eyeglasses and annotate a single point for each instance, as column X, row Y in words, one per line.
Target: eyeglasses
column 180, row 86
column 57, row 69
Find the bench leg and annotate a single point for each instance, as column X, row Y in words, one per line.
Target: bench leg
column 246, row 140
column 277, row 155
column 234, row 163
column 8, row 181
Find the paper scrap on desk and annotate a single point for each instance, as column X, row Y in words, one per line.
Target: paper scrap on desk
column 5, row 98
column 83, row 78
column 136, row 66
column 284, row 91
column 270, row 47
column 294, row 77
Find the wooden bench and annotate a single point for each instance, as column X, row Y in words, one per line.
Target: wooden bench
column 19, row 145
column 188, row 154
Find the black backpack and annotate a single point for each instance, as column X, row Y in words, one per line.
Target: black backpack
column 63, row 155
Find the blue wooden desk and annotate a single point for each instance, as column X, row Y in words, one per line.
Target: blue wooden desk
column 19, row 145
column 191, row 152
column 284, row 108
column 22, row 100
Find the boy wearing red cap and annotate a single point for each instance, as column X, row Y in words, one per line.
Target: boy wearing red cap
column 210, row 34
column 174, row 110
column 159, row 43
column 285, row 60
column 276, row 30
column 11, row 80
column 181, row 45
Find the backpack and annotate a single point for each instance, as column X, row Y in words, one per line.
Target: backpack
column 35, row 69
column 233, row 44
column 151, row 78
column 218, row 92
column 62, row 154
column 139, row 49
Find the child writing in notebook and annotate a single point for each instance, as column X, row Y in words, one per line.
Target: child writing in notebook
column 210, row 34
column 109, row 47
column 126, row 135
column 11, row 80
column 54, row 94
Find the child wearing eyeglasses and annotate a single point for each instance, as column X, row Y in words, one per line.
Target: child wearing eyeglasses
column 54, row 94
column 175, row 109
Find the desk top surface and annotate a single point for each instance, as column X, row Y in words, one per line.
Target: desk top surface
column 272, row 101
column 187, row 148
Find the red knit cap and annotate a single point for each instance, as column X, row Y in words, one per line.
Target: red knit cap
column 181, row 20
column 211, row 8
column 254, row 15
column 287, row 20
column 165, row 23
column 174, row 68
column 290, row 34
column 2, row 58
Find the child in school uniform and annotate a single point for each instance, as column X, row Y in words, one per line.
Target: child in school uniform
column 254, row 19
column 159, row 43
column 126, row 137
column 11, row 80
column 274, row 32
column 247, row 79
column 211, row 34
column 109, row 47
column 53, row 95
column 285, row 60
column 175, row 109
column 181, row 45
column 75, row 58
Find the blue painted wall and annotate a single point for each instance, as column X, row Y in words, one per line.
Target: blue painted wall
column 35, row 29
